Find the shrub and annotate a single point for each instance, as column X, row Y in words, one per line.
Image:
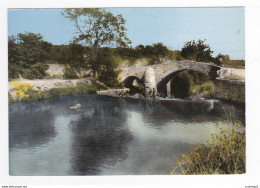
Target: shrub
column 69, row 73
column 22, row 88
column 13, row 72
column 108, row 72
column 224, row 155
column 206, row 88
column 36, row 71
column 10, row 98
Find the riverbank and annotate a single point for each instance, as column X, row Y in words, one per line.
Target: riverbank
column 224, row 154
column 33, row 90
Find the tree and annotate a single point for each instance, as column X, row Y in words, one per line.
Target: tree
column 108, row 63
column 97, row 28
column 176, row 55
column 13, row 58
column 27, row 55
column 33, row 48
column 157, row 52
column 197, row 51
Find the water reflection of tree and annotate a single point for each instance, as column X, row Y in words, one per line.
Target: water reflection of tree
column 30, row 125
column 99, row 140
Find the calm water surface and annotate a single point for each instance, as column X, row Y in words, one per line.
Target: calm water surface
column 108, row 136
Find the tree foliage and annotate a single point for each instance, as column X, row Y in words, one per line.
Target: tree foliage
column 197, row 51
column 27, row 55
column 97, row 28
column 108, row 63
column 13, row 58
column 33, row 48
column 156, row 52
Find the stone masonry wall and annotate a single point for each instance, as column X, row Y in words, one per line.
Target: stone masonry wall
column 233, row 90
column 57, row 71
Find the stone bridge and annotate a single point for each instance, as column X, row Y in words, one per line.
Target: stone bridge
column 156, row 78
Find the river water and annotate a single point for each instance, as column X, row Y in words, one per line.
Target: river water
column 109, row 136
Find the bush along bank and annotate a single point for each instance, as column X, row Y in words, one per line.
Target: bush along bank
column 25, row 92
column 224, row 155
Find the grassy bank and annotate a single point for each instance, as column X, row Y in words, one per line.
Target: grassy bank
column 239, row 64
column 206, row 88
column 225, row 154
column 25, row 92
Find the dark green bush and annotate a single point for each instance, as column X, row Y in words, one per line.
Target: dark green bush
column 107, row 71
column 37, row 71
column 69, row 73
column 13, row 72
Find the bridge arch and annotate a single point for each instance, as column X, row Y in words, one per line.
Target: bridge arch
column 129, row 81
column 135, row 84
column 163, row 84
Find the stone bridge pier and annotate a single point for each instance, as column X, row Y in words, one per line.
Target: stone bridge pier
column 149, row 83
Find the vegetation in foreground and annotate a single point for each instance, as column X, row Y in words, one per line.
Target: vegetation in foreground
column 224, row 155
column 25, row 92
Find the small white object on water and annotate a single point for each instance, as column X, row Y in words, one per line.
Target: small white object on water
column 75, row 107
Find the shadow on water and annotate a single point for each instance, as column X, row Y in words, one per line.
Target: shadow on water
column 33, row 127
column 99, row 140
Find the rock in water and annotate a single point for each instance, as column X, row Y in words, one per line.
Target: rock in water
column 75, row 107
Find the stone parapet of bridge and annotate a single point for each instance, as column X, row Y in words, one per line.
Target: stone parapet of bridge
column 232, row 73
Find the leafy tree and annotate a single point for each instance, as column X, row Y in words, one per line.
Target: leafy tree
column 13, row 58
column 58, row 53
column 108, row 63
column 157, row 52
column 97, row 28
column 197, row 51
column 176, row 55
column 33, row 48
column 76, row 56
column 27, row 55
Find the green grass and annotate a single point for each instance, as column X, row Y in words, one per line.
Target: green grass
column 239, row 64
column 35, row 95
column 206, row 88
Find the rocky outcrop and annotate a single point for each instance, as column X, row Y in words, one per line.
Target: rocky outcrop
column 55, row 70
